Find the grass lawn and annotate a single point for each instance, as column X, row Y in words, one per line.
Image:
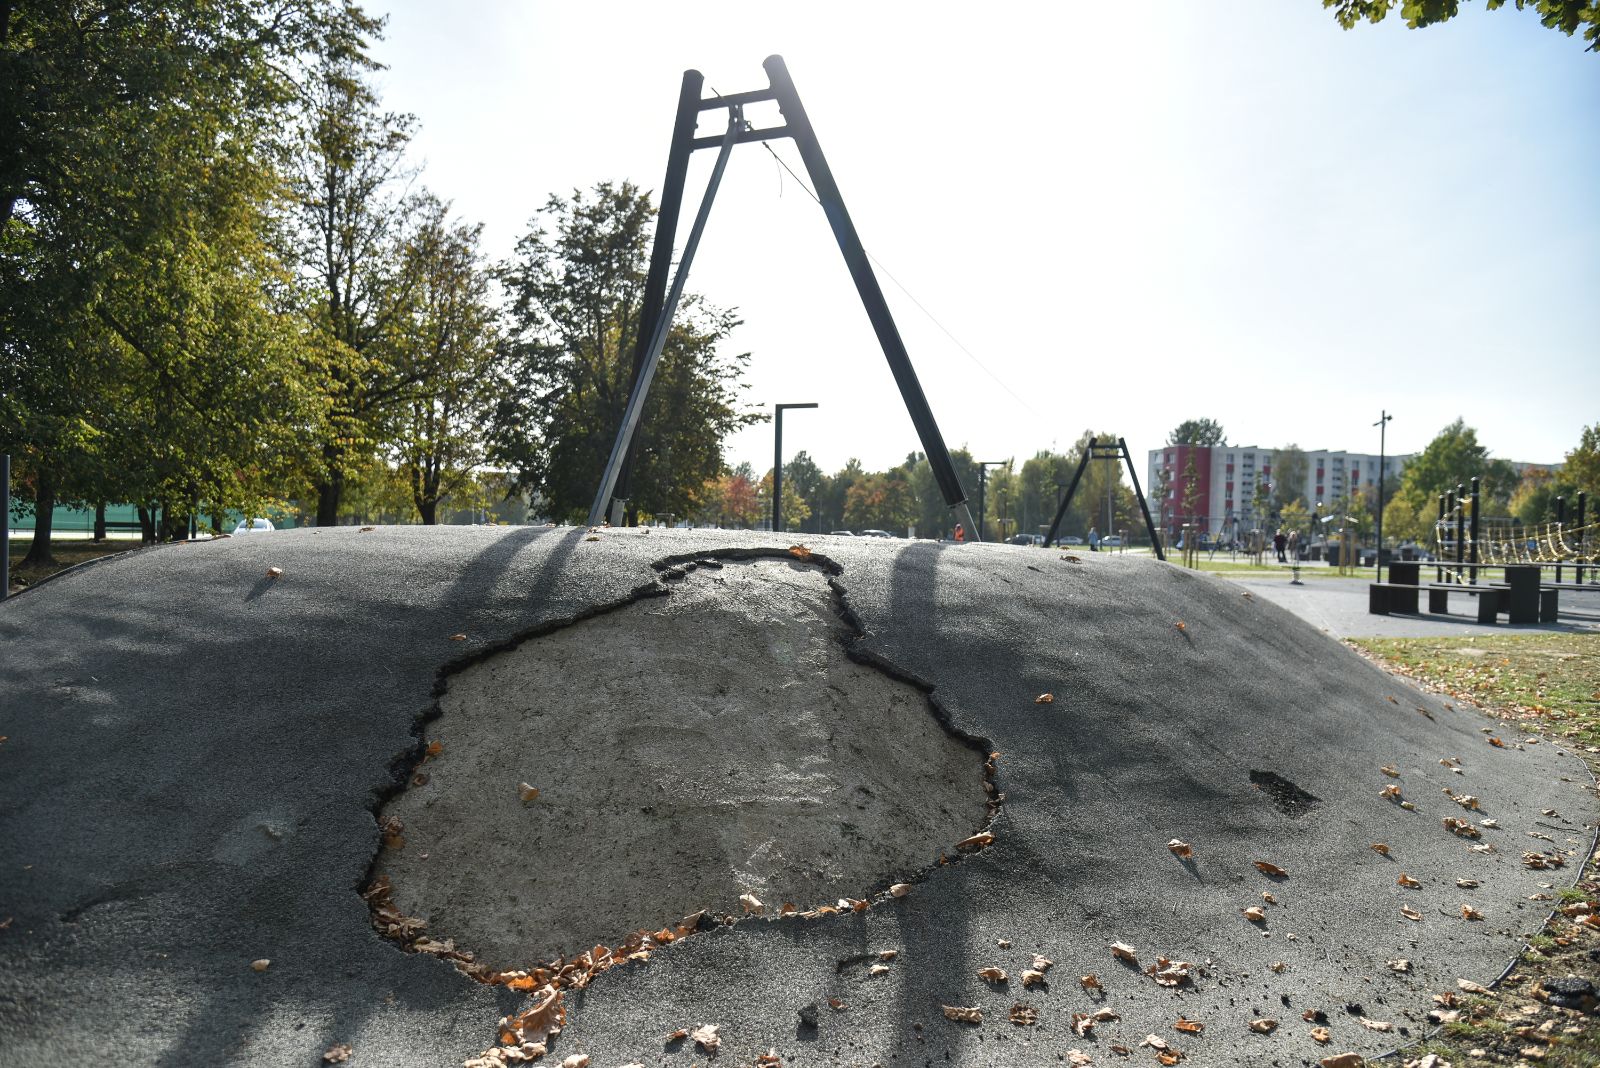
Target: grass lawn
column 1546, row 685
column 66, row 553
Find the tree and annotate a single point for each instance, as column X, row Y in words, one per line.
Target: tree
column 1452, row 458
column 880, row 501
column 1534, row 498
column 1568, row 16
column 345, row 240
column 803, row 475
column 1582, row 467
column 1294, row 516
column 447, row 346
column 1197, row 432
column 576, row 286
column 1289, row 470
column 795, row 510
column 836, row 490
column 132, row 276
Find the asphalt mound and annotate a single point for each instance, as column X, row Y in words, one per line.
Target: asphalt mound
column 711, row 750
column 198, row 755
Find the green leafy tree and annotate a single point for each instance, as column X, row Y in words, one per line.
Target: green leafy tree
column 1568, row 16
column 576, row 285
column 934, row 517
column 795, row 509
column 446, row 345
column 807, row 480
column 1289, row 469
column 1451, row 459
column 1534, row 498
column 835, row 492
column 345, row 240
column 881, row 501
column 1582, row 467
column 132, row 279
column 1197, row 432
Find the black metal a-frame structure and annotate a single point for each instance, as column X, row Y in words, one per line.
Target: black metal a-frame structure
column 1107, row 451
column 660, row 303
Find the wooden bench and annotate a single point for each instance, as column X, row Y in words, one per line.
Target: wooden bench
column 1549, row 599
column 1386, row 597
column 1492, row 600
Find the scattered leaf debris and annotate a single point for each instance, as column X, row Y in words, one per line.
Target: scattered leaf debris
column 705, row 1036
column 1268, row 868
column 1264, row 1026
column 992, row 974
column 527, row 793
column 260, row 965
column 1182, row 850
column 1024, row 1015
column 1044, row 699
column 963, row 1014
column 337, row 1053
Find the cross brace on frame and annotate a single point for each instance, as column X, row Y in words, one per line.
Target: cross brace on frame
column 660, row 302
column 1107, row 451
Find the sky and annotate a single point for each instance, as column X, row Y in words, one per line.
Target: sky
column 1093, row 216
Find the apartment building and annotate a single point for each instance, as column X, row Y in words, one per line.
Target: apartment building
column 1225, row 479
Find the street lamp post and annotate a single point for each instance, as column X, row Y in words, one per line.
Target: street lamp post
column 1383, row 429
column 777, row 461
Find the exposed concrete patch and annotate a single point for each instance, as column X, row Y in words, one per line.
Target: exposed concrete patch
column 687, row 749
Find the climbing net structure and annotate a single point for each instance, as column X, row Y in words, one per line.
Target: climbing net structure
column 1508, row 541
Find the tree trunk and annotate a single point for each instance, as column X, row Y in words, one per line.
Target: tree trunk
column 429, row 507
column 328, row 494
column 100, row 521
column 44, row 514
column 147, row 526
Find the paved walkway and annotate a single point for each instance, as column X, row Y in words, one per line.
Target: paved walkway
column 1339, row 607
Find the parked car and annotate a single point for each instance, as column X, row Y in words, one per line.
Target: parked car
column 1070, row 539
column 876, row 534
column 1114, row 541
column 843, row 533
column 256, row 525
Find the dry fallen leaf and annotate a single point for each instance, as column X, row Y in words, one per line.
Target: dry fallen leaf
column 769, row 1059
column 366, row 530
column 888, row 954
column 1078, row 1059
column 751, row 903
column 1460, row 827
column 261, row 965
column 1155, row 1042
column 592, row 537
column 458, row 637
column 1024, row 1015
column 576, row 1060
column 1123, row 951
column 1391, row 791
column 836, row 1005
column 1266, row 895
column 1410, row 913
column 976, row 842
column 1465, row 801
column 1277, row 967
column 527, row 793
column 1255, row 914
column 1193, row 1027
column 338, row 1053
column 963, row 1014
column 800, row 552
column 435, row 748
column 1391, row 771
column 1181, row 625
column 1267, row 868
column 1181, row 849
column 274, row 572
column 899, row 889
column 992, row 974
column 1497, row 743
column 1343, row 1060
column 1400, row 964
column 677, row 1036
column 1090, row 982
column 1169, row 972
column 1042, row 964
column 1321, row 1034
column 1469, row 987
column 878, row 969
column 1467, row 884
column 1263, row 1027
column 705, row 1036
column 1032, row 977
column 1406, row 880
column 1374, row 1025
column 1044, row 699
column 1381, row 847
column 1470, row 913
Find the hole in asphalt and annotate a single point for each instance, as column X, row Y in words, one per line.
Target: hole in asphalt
column 1285, row 796
column 686, row 749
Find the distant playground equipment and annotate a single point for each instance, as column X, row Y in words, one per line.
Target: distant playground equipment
column 1468, row 547
column 660, row 301
column 1109, row 450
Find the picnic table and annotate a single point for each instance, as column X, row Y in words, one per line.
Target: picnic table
column 1520, row 596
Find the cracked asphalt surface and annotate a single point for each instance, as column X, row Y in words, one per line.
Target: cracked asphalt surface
column 194, row 752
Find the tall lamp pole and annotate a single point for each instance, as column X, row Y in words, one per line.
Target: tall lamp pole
column 983, row 481
column 1383, row 429
column 777, row 461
